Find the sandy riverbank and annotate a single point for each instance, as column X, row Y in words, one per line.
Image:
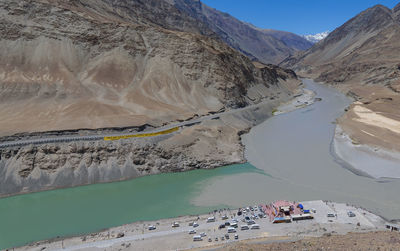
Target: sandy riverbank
column 362, row 159
column 137, row 236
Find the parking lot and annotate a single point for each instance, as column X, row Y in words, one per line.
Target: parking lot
column 212, row 229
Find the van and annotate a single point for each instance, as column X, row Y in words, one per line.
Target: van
column 244, row 227
column 234, row 225
column 197, row 238
column 255, row 226
column 210, row 219
column 231, row 230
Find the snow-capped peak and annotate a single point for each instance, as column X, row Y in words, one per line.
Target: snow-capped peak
column 317, row 37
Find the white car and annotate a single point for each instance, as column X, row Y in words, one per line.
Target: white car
column 192, row 231
column 203, row 234
column 231, row 230
column 211, row 219
column 195, row 224
column 152, row 227
column 197, row 238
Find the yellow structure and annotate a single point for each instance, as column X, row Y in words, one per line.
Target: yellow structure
column 142, row 135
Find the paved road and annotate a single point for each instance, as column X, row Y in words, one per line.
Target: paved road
column 57, row 139
column 111, row 242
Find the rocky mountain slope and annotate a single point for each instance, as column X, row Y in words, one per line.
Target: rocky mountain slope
column 267, row 46
column 102, row 63
column 98, row 64
column 360, row 58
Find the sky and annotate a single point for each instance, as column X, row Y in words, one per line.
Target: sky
column 298, row 16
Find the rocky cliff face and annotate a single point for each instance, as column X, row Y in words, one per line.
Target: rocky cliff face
column 267, row 46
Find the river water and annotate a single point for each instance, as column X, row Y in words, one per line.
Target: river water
column 294, row 148
column 290, row 159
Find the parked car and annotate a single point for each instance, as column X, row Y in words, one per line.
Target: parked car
column 255, row 226
column 210, row 219
column 244, row 227
column 251, row 222
column 216, row 238
column 236, row 236
column 227, row 223
column 227, row 236
column 195, row 224
column 192, row 231
column 231, row 230
column 222, row 238
column 209, row 239
column 330, row 215
column 351, row 214
column 221, row 226
column 151, row 227
column 203, row 234
column 197, row 238
column 175, row 224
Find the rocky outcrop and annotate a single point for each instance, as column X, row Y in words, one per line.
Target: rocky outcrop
column 49, row 166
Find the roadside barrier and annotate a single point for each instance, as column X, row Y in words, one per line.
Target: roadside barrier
column 142, row 135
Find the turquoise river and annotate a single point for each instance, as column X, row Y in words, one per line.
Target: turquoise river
column 84, row 209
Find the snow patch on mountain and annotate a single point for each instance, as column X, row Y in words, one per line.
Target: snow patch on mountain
column 316, row 37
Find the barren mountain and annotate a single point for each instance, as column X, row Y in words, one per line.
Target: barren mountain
column 68, row 64
column 95, row 64
column 267, row 46
column 360, row 58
